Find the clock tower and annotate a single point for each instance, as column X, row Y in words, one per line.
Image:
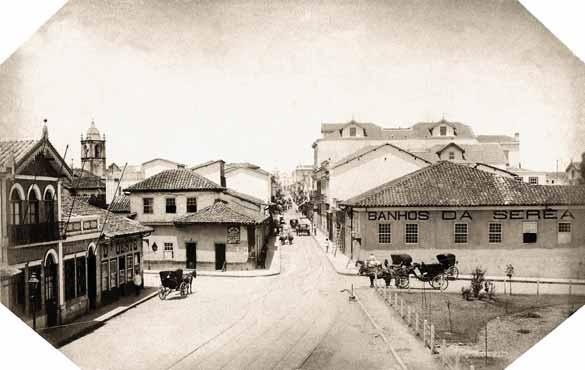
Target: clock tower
column 93, row 152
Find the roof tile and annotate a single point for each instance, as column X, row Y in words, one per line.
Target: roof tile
column 174, row 180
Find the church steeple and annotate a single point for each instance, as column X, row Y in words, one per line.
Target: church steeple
column 93, row 152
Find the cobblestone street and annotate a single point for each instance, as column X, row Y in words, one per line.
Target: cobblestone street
column 298, row 319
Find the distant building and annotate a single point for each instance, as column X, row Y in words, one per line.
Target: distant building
column 434, row 141
column 249, row 179
column 93, row 152
column 118, row 178
column 573, row 172
column 198, row 223
column 212, row 170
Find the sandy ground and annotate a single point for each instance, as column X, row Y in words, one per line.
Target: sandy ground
column 298, row 319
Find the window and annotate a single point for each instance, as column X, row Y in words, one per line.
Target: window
column 443, row 131
column 495, row 233
column 191, row 204
column 451, row 156
column 16, row 204
column 69, row 279
column 168, row 250
column 80, row 263
column 90, row 225
column 147, row 205
column 352, row 131
column 518, row 178
column 113, row 273
column 384, row 233
column 533, row 180
column 122, row 271
column 171, row 207
column 105, row 276
column 33, row 208
column 129, row 267
column 564, row 236
column 74, row 226
column 411, row 233
column 529, row 232
column 460, row 233
column 49, row 207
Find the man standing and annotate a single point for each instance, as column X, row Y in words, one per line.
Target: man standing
column 372, row 264
column 137, row 281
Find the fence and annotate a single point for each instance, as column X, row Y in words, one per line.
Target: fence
column 423, row 329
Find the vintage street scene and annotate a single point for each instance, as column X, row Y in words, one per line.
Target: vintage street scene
column 292, row 185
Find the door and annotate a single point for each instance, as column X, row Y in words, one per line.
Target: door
column 219, row 256
column 51, row 286
column 191, row 249
column 91, row 278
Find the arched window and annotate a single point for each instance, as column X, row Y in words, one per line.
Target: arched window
column 97, row 151
column 50, row 207
column 15, row 208
column 33, row 208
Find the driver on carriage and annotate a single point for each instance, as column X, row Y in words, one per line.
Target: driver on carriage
column 372, row 261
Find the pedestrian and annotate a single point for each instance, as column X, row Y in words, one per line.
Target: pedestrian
column 137, row 281
column 326, row 245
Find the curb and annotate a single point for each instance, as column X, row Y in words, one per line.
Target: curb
column 381, row 333
column 331, row 262
column 126, row 308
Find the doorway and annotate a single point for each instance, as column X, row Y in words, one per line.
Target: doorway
column 91, row 279
column 219, row 256
column 191, row 249
column 51, row 286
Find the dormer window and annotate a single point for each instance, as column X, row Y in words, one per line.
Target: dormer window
column 352, row 131
column 451, row 156
column 443, row 130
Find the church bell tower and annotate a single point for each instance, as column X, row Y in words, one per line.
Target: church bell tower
column 93, row 152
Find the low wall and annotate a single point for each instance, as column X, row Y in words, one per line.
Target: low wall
column 536, row 263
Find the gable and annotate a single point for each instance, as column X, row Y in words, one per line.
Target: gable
column 43, row 160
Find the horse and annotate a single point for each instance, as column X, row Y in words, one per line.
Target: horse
column 378, row 271
column 188, row 279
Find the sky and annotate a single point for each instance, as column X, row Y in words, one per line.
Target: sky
column 252, row 80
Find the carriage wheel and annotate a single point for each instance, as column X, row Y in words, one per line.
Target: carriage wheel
column 454, row 272
column 402, row 281
column 439, row 282
column 162, row 293
column 183, row 288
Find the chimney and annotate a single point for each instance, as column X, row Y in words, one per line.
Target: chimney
column 222, row 181
column 517, row 136
column 181, row 166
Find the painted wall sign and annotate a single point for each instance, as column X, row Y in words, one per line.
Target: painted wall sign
column 233, row 235
column 515, row 214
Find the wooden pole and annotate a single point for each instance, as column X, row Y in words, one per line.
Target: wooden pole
column 401, row 307
column 444, row 351
column 432, row 338
column 425, row 332
column 416, row 323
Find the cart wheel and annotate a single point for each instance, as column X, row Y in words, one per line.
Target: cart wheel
column 403, row 281
column 439, row 282
column 454, row 272
column 161, row 293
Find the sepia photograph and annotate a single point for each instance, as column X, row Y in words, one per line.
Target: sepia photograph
column 247, row 184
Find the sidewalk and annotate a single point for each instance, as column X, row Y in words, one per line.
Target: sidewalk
column 152, row 277
column 340, row 262
column 60, row 335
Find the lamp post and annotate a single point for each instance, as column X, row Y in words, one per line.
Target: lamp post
column 33, row 282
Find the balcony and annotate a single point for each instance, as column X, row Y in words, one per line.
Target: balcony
column 33, row 233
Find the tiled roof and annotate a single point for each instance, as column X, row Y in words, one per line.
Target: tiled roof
column 174, row 180
column 116, row 225
column 218, row 213
column 447, row 184
column 120, row 204
column 162, row 160
column 20, row 148
column 205, row 164
column 245, row 197
column 365, row 150
column 495, row 139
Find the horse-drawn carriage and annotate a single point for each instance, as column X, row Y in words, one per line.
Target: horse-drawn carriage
column 402, row 267
column 176, row 281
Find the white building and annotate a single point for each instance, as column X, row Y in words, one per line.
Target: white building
column 249, row 179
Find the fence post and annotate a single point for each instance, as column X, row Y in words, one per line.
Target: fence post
column 537, row 287
column 409, row 315
column 416, row 323
column 401, row 307
column 458, row 360
column 396, row 299
column 425, row 332
column 432, row 339
column 444, row 351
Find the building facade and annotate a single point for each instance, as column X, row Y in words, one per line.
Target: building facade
column 198, row 223
column 485, row 219
column 249, row 179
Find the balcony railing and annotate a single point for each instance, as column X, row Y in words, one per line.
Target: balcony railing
column 33, row 233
